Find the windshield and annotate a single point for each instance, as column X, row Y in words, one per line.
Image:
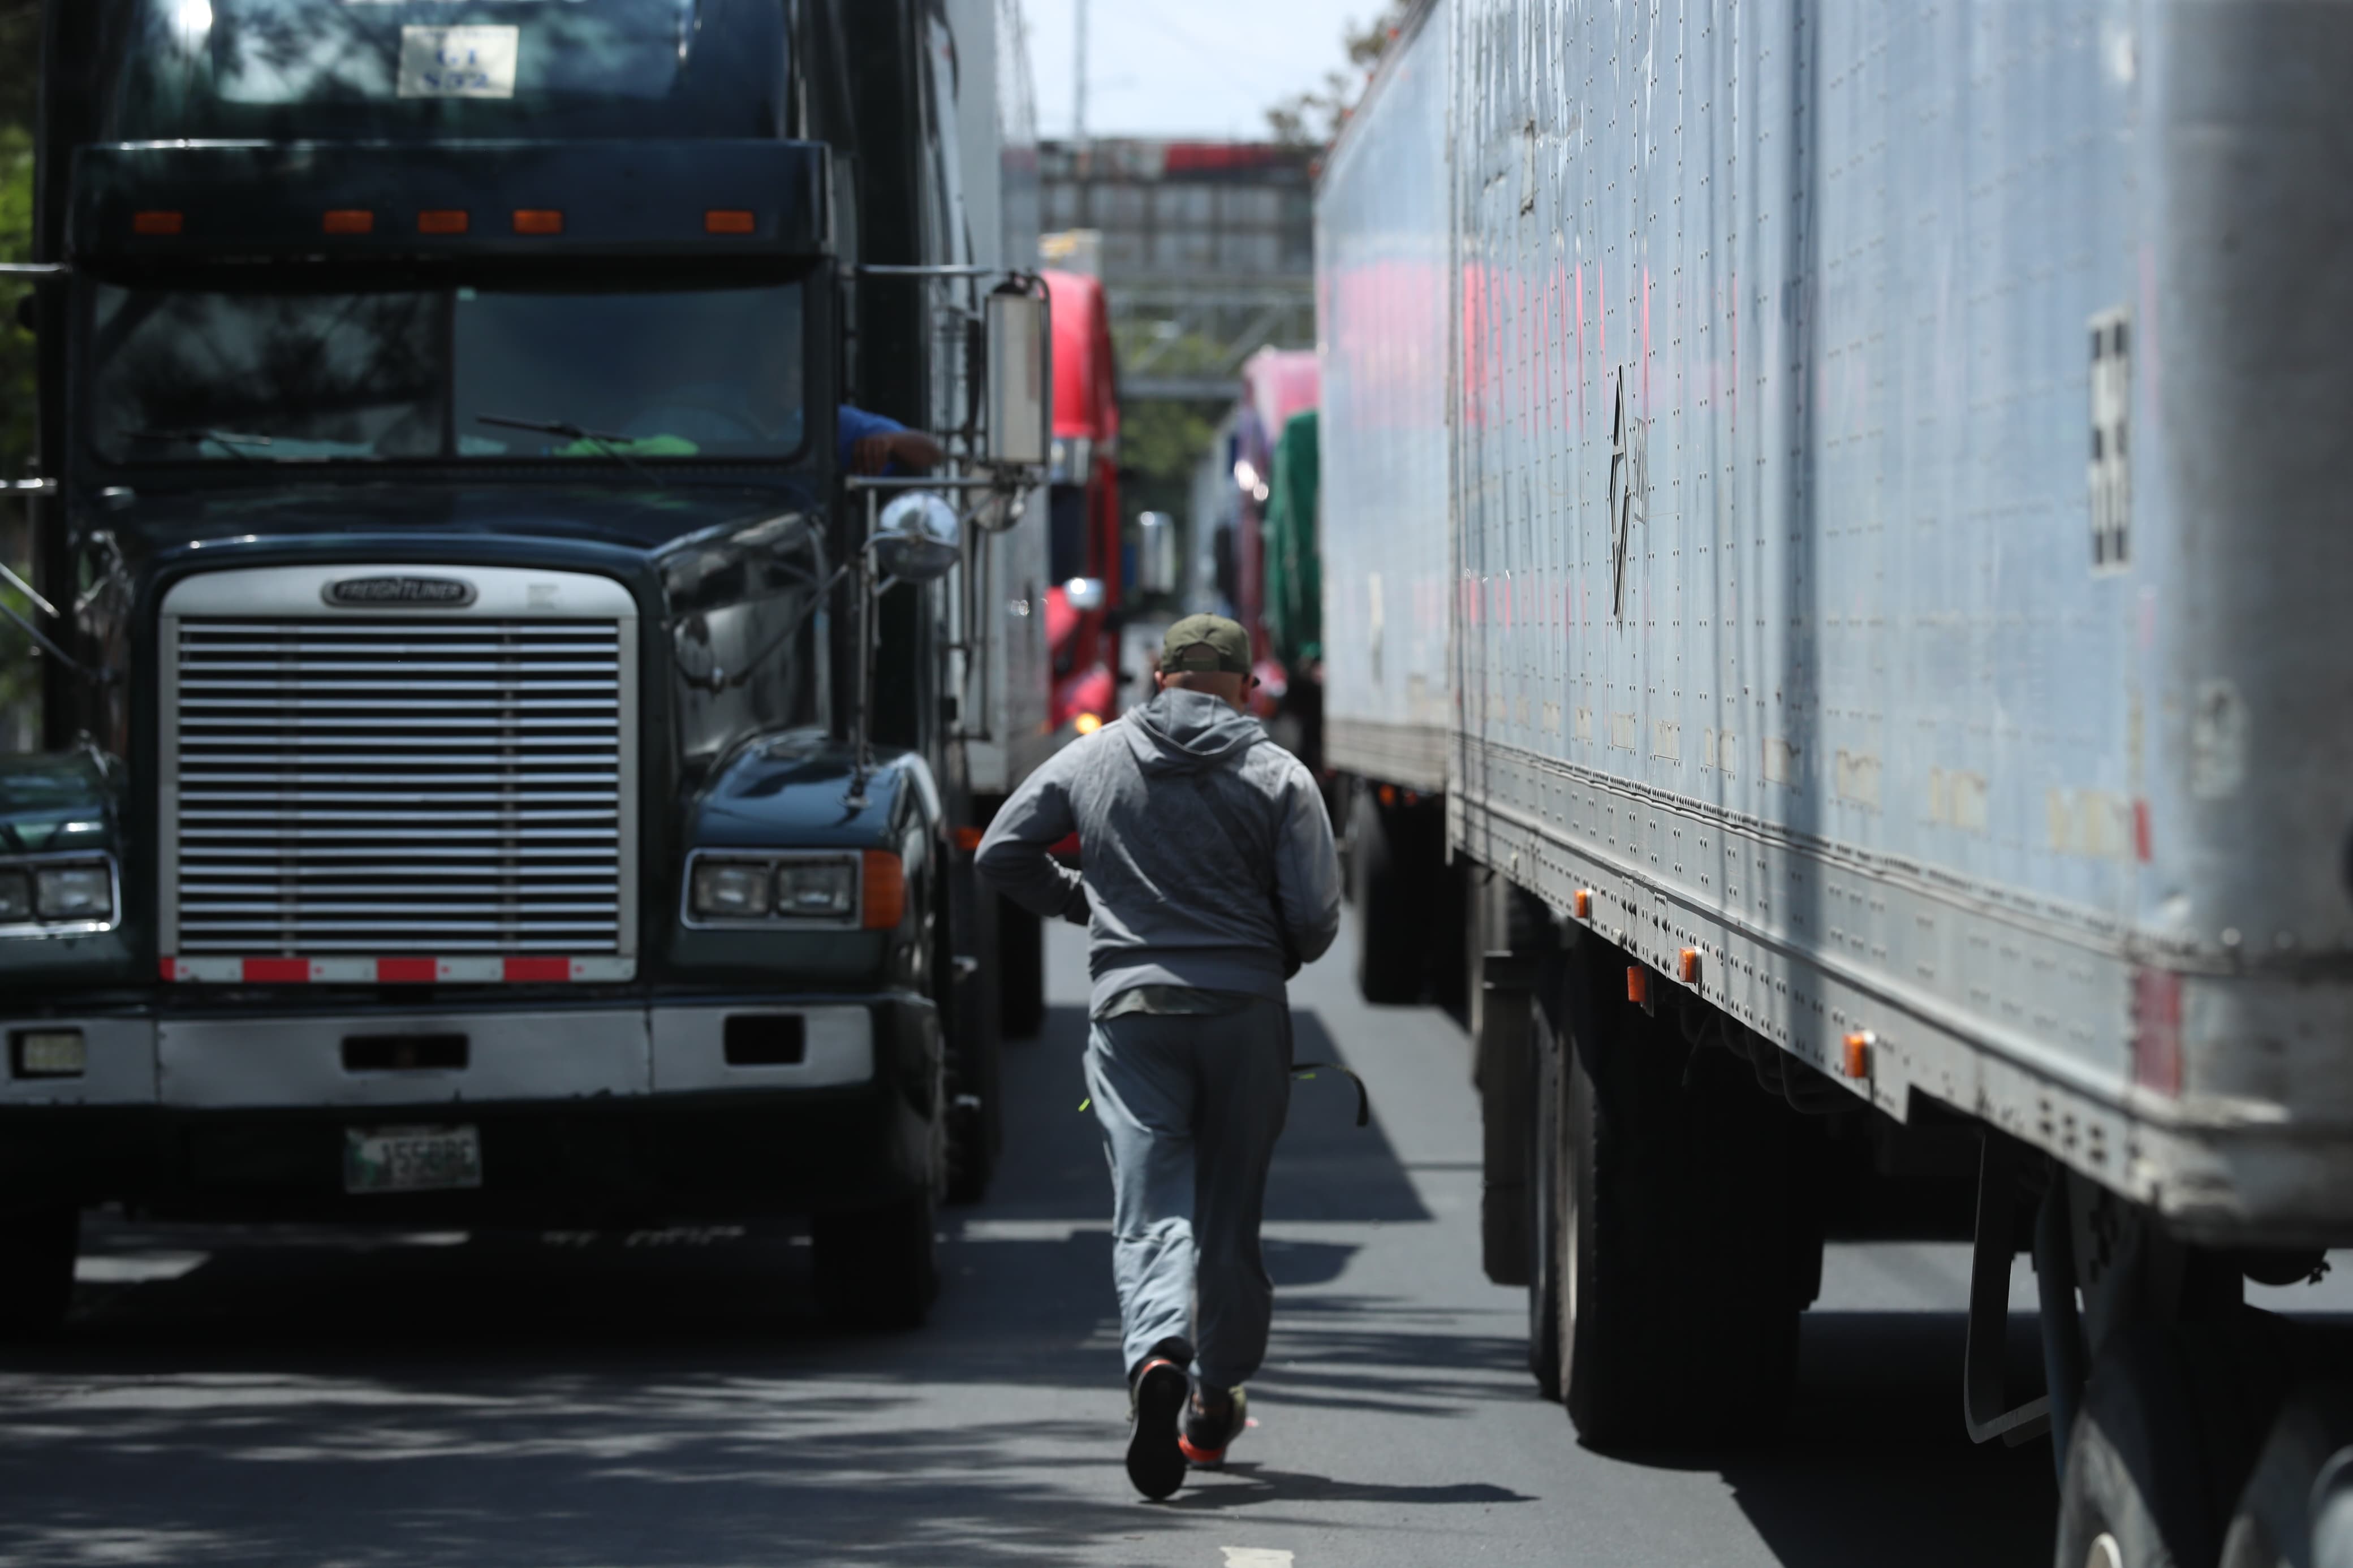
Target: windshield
column 404, row 70
column 241, row 376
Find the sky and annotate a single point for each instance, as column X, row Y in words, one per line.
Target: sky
column 1183, row 68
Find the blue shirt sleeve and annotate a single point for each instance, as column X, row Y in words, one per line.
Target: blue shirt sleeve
column 852, row 426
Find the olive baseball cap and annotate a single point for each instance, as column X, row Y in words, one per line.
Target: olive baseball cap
column 1206, row 642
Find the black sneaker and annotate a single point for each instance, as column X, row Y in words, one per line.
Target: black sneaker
column 1212, row 1422
column 1156, row 1393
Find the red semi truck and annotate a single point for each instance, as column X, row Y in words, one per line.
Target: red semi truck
column 1085, row 549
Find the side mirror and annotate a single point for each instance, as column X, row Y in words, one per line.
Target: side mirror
column 1020, row 379
column 1155, row 554
column 1084, row 594
column 918, row 538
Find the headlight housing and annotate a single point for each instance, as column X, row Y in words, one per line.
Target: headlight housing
column 842, row 889
column 730, row 890
column 72, row 891
column 816, row 889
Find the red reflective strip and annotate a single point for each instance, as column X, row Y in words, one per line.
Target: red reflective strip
column 171, row 969
column 407, row 971
column 539, row 969
column 263, row 971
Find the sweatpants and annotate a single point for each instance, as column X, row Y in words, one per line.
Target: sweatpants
column 1190, row 1108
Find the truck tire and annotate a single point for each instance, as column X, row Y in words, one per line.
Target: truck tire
column 2170, row 1426
column 875, row 1267
column 1545, row 1177
column 1389, row 957
column 37, row 1250
column 2298, row 1507
column 1678, row 1292
column 974, row 1066
column 1021, row 972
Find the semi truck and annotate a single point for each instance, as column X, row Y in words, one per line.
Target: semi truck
column 1084, row 597
column 1835, row 512
column 512, row 759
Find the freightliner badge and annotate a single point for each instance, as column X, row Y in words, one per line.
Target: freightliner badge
column 422, row 592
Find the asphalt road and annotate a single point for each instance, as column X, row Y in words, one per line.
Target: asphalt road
column 282, row 1397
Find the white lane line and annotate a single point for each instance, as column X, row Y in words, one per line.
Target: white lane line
column 1255, row 1557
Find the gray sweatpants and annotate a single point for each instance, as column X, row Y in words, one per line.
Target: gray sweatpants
column 1191, row 1108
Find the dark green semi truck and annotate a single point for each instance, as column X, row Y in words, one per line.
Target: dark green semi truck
column 502, row 767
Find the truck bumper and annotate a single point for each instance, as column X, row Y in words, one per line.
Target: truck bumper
column 586, row 1116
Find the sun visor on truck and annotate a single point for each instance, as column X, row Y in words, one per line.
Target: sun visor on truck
column 485, row 198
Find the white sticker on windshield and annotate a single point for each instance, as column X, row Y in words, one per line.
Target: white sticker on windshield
column 458, row 62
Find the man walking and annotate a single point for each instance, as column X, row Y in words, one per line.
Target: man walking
column 1206, row 874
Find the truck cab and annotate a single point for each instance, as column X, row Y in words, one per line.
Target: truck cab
column 502, row 766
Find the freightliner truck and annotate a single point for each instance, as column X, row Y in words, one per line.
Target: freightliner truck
column 1842, row 509
column 504, row 767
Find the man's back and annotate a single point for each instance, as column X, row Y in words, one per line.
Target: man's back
column 1194, row 831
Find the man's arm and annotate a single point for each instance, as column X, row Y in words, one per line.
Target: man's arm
column 1013, row 858
column 913, row 451
column 1307, row 869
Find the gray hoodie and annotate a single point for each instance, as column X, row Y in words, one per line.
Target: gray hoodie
column 1192, row 827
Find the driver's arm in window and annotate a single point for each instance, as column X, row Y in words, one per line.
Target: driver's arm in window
column 873, row 444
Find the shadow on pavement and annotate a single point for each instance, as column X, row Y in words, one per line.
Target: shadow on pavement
column 309, row 1395
column 1875, row 1468
column 1243, row 1485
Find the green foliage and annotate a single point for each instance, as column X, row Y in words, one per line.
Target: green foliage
column 19, row 92
column 1313, row 118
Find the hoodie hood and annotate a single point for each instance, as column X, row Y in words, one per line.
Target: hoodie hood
column 1179, row 731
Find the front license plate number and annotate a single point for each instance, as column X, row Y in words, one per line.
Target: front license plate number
column 411, row 1159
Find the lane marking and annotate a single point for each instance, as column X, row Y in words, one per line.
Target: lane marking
column 1255, row 1557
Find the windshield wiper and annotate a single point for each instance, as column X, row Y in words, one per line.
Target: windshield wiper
column 228, row 441
column 612, row 446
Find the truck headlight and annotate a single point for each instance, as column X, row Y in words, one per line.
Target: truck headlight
column 74, row 892
column 821, row 890
column 16, row 897
column 730, row 890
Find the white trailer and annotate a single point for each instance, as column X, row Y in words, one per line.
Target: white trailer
column 1889, row 544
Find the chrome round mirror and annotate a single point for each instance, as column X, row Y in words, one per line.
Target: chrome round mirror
column 918, row 538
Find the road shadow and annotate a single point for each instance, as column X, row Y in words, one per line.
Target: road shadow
column 1246, row 1485
column 314, row 1393
column 1874, row 1466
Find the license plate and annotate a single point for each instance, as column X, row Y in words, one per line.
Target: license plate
column 411, row 1159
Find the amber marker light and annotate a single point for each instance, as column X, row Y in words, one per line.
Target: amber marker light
column 1581, row 901
column 1858, row 1054
column 1087, row 723
column 538, row 220
column 726, row 220
column 347, row 220
column 156, row 223
column 968, row 839
column 1637, row 986
column 885, row 903
column 443, row 220
column 1687, row 965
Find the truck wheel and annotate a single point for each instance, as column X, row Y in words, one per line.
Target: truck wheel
column 1679, row 1290
column 1544, row 1233
column 875, row 1267
column 37, row 1249
column 1389, row 952
column 975, row 1055
column 2297, row 1507
column 2171, row 1420
column 1021, row 971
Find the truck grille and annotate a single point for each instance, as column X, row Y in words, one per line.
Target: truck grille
column 390, row 786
